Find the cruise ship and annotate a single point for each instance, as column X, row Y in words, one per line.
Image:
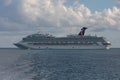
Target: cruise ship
column 79, row 41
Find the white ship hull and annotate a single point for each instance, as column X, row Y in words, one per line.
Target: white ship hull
column 67, row 47
column 27, row 46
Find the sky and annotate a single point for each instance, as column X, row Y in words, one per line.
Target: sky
column 19, row 18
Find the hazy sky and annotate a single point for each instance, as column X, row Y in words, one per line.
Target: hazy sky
column 19, row 18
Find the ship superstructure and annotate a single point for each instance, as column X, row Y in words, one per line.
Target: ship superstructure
column 46, row 41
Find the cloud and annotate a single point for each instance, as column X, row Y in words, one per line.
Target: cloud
column 52, row 13
column 118, row 3
column 55, row 16
column 9, row 25
column 108, row 18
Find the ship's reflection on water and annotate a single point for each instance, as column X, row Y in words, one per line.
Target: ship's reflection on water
column 60, row 65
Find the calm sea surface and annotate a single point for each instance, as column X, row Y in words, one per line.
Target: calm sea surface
column 18, row 64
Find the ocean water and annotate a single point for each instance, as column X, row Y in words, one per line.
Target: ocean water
column 16, row 64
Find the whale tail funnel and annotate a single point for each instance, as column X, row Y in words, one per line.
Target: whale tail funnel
column 82, row 32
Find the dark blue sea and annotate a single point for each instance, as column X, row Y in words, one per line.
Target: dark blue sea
column 16, row 64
